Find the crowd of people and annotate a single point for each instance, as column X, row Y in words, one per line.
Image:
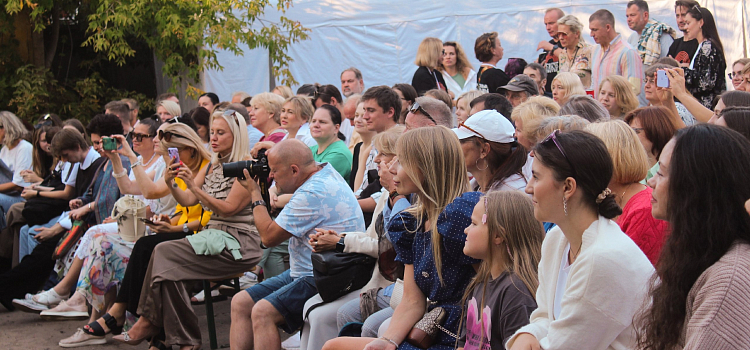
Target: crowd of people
column 594, row 198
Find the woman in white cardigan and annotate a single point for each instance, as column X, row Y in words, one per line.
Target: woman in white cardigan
column 592, row 277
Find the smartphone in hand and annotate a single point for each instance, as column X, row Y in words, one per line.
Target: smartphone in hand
column 174, row 153
column 662, row 80
column 147, row 221
column 109, row 144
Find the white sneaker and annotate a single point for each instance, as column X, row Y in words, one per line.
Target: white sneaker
column 63, row 311
column 49, row 298
column 248, row 280
column 29, row 305
column 292, row 343
column 201, row 297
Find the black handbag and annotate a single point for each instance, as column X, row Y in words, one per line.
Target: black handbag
column 40, row 210
column 337, row 274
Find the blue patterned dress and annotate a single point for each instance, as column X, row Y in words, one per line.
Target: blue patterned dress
column 414, row 246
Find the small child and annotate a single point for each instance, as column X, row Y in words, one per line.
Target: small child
column 508, row 239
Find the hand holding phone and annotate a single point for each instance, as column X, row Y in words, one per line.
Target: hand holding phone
column 662, row 80
column 147, row 221
column 109, row 144
column 174, row 153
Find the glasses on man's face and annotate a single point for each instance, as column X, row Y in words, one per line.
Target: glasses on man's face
column 553, row 138
column 166, row 136
column 138, row 137
column 417, row 108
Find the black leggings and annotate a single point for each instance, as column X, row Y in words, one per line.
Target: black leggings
column 135, row 272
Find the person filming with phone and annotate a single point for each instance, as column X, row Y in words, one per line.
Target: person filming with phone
column 658, row 93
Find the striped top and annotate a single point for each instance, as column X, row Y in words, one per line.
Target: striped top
column 618, row 59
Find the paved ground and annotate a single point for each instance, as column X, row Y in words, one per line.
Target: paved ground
column 20, row 330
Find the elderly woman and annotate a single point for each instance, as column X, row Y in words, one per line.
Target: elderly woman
column 528, row 115
column 162, row 304
column 585, row 107
column 429, row 59
column 576, row 57
column 265, row 115
column 564, row 86
column 16, row 155
column 167, row 110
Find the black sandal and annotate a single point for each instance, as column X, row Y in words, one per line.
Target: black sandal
column 94, row 328
column 157, row 341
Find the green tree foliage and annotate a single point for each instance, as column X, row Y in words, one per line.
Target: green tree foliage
column 185, row 34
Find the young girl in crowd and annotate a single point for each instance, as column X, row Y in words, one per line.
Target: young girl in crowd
column 700, row 294
column 507, row 238
column 617, row 96
column 564, row 86
column 592, row 277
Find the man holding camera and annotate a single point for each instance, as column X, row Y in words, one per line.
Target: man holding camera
column 320, row 199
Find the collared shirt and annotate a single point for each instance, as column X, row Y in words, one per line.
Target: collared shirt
column 618, row 59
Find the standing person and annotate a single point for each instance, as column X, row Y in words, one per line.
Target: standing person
column 489, row 51
column 576, row 53
column 612, row 55
column 428, row 76
column 616, row 94
column 683, row 49
column 699, row 296
column 592, row 277
column 549, row 59
column 16, row 156
column 352, row 82
column 507, row 238
column 652, row 39
column 428, row 238
column 704, row 75
column 457, row 72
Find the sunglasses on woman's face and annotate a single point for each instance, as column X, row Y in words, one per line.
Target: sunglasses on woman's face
column 166, row 136
column 139, row 137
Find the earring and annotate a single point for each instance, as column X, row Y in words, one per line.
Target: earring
column 487, row 164
column 565, row 206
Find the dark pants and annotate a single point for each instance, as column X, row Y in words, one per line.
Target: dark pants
column 30, row 274
column 135, row 272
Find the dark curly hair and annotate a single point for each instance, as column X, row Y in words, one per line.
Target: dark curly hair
column 105, row 125
column 707, row 191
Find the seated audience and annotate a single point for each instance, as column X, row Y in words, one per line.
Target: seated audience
column 324, row 128
column 16, row 156
column 429, row 60
column 491, row 153
column 736, row 74
column 564, row 86
column 362, row 149
column 704, row 266
column 528, row 115
column 538, row 74
column 494, row 101
column 167, row 109
column 265, row 115
column 630, row 165
column 506, row 237
column 737, row 119
column 515, row 66
column 657, row 96
column 407, row 95
column 441, row 96
column 616, row 94
column 428, row 237
column 208, row 100
column 585, row 107
column 427, row 111
column 462, row 104
column 519, row 89
column 654, row 127
column 202, row 116
column 278, row 301
column 591, row 274
column 283, row 91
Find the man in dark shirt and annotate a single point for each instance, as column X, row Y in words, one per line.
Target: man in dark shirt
column 681, row 50
column 549, row 59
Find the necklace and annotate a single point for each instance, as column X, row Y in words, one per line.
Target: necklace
column 149, row 161
column 622, row 196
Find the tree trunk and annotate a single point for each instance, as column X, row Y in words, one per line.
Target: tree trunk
column 50, row 48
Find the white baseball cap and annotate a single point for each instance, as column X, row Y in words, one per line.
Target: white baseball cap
column 489, row 125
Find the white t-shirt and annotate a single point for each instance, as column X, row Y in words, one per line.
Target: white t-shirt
column 17, row 159
column 347, row 129
column 562, row 279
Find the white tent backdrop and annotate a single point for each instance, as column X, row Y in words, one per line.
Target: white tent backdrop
column 380, row 37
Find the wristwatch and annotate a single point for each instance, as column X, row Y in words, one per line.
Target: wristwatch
column 185, row 228
column 257, row 203
column 340, row 245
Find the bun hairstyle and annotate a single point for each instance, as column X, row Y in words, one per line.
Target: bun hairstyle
column 484, row 45
column 593, row 168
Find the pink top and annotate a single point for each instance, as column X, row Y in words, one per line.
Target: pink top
column 276, row 136
column 638, row 223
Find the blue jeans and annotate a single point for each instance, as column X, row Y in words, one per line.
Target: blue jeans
column 287, row 295
column 5, row 202
column 27, row 238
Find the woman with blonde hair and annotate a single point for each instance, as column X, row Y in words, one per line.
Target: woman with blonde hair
column 17, row 156
column 463, row 102
column 529, row 114
column 559, row 122
column 457, row 71
column 576, row 57
column 295, row 119
column 508, row 239
column 265, row 115
column 630, row 167
column 167, row 110
column 429, row 59
column 162, row 305
column 617, row 96
column 428, row 238
column 564, row 85
column 283, row 91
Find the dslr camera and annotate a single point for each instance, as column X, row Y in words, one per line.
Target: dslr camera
column 258, row 169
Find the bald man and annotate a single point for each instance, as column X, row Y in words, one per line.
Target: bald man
column 320, row 199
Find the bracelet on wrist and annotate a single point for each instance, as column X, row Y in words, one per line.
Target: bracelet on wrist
column 117, row 176
column 389, row 340
column 136, row 164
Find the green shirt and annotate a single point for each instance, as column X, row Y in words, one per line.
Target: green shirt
column 459, row 78
column 338, row 155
